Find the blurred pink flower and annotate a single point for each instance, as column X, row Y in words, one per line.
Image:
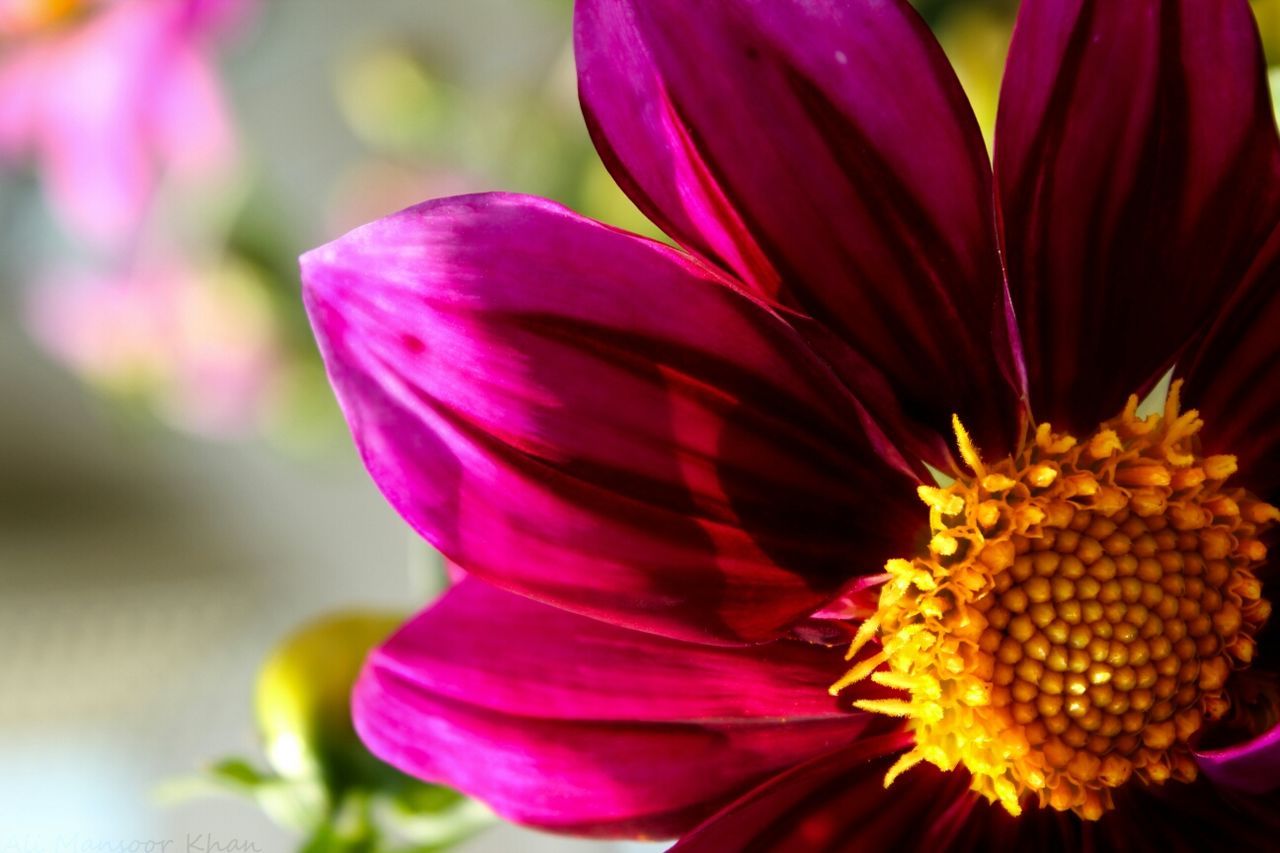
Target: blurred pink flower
column 109, row 99
column 198, row 344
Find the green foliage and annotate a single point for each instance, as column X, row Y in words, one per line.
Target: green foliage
column 404, row 817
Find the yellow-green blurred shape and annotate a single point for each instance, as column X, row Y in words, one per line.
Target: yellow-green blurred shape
column 303, row 692
column 389, row 98
column 303, row 418
column 977, row 41
column 1268, row 15
column 602, row 199
column 1273, row 76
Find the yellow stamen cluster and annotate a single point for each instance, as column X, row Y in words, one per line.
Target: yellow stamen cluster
column 1077, row 613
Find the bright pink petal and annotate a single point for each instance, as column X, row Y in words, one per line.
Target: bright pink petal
column 188, row 118
column 505, row 652
column 97, row 168
column 1136, row 163
column 577, row 725
column 453, row 572
column 825, row 153
column 593, row 420
column 97, row 86
column 20, row 75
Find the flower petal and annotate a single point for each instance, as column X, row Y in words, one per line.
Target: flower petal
column 826, row 154
column 594, row 420
column 573, row 724
column 21, row 73
column 836, row 802
column 1252, row 767
column 507, row 653
column 1136, row 167
column 1230, row 378
column 1187, row 817
column 113, row 105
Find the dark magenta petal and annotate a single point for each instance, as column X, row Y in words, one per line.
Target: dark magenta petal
column 1231, row 378
column 1252, row 767
column 1187, row 818
column 1136, row 164
column 825, row 153
column 573, row 724
column 598, row 422
column 837, row 803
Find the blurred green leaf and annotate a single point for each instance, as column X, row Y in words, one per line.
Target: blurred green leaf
column 298, row 804
column 239, row 773
column 432, row 817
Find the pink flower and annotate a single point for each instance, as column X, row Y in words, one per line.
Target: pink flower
column 199, row 345
column 110, row 105
column 680, row 480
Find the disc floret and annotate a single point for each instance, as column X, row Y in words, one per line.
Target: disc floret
column 1076, row 614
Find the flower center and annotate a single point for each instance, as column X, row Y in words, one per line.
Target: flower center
column 1076, row 615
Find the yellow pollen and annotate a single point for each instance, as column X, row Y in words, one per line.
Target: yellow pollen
column 1076, row 614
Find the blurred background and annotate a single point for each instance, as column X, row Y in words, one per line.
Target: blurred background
column 177, row 491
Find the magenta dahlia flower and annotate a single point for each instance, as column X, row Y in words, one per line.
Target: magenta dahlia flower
column 713, row 588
